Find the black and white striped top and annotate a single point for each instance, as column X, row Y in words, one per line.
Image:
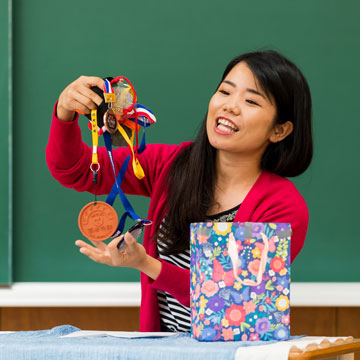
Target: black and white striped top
column 173, row 315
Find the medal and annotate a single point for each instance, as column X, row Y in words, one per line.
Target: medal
column 124, row 99
column 119, row 119
column 110, row 121
column 98, row 221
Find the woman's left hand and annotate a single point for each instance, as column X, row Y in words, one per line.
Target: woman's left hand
column 134, row 256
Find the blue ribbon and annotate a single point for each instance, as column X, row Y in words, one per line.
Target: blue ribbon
column 116, row 189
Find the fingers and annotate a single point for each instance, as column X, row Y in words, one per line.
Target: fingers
column 93, row 253
column 79, row 96
column 113, row 243
column 130, row 240
column 83, row 87
column 99, row 244
column 92, row 81
column 114, row 251
column 110, row 255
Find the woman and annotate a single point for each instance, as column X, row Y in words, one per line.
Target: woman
column 256, row 132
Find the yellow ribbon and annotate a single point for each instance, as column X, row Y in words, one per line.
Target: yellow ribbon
column 138, row 170
column 95, row 136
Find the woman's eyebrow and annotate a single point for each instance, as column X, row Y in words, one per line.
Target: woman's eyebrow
column 253, row 91
column 229, row 82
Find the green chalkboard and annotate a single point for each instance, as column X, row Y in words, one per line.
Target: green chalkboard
column 5, row 142
column 174, row 52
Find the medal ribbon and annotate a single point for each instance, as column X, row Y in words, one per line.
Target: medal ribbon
column 136, row 116
column 138, row 170
column 95, row 137
column 116, row 189
column 109, row 94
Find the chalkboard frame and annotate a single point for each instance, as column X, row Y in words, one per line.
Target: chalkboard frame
column 6, row 144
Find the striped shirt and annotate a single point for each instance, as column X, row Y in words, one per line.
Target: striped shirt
column 173, row 315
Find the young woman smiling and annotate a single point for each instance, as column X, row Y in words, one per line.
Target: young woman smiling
column 257, row 132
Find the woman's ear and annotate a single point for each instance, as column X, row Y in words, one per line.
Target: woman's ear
column 281, row 131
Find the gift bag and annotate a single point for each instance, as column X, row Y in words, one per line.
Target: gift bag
column 240, row 281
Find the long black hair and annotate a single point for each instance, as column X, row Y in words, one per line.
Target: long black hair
column 191, row 179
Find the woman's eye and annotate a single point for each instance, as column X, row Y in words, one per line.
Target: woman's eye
column 224, row 92
column 251, row 102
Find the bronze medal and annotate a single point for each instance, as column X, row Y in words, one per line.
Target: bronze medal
column 110, row 121
column 98, row 221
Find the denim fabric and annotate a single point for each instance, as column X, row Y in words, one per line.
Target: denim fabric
column 47, row 345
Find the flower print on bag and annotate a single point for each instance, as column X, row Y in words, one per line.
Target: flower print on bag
column 285, row 320
column 281, row 333
column 282, row 303
column 216, row 303
column 257, row 228
column 222, row 228
column 196, row 330
column 235, row 315
column 220, row 274
column 262, row 325
column 256, row 253
column 259, row 289
column 249, row 307
column 277, row 264
column 240, row 233
column 209, row 288
column 272, row 246
column 203, row 301
column 227, row 334
column 231, row 304
column 208, row 334
column 254, row 337
column 254, row 267
column 283, row 281
column 197, row 291
column 224, row 294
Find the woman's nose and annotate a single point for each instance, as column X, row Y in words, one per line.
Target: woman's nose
column 232, row 106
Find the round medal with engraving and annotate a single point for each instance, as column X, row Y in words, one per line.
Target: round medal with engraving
column 110, row 121
column 124, row 98
column 98, row 221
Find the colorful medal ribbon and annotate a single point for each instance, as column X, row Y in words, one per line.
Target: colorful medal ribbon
column 133, row 116
column 95, row 166
column 95, row 138
column 109, row 94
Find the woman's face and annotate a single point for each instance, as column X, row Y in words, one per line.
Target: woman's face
column 240, row 116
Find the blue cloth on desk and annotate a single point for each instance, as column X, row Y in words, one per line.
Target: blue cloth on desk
column 47, row 344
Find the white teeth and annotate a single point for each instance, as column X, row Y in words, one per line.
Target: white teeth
column 225, row 128
column 222, row 123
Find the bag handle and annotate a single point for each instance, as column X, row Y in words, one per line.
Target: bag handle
column 234, row 256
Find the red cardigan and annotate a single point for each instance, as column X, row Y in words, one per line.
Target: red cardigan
column 271, row 199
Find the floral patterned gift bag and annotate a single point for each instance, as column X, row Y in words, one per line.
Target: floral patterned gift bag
column 240, row 281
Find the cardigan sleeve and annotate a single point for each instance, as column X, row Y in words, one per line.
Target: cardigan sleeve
column 276, row 199
column 291, row 209
column 174, row 280
column 69, row 159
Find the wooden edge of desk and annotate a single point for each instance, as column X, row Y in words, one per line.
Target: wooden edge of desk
column 334, row 349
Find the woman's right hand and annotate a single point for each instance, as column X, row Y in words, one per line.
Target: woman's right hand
column 79, row 96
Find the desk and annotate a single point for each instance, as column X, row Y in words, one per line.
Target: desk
column 343, row 350
column 47, row 344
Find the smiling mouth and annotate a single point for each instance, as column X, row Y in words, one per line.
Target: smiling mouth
column 226, row 125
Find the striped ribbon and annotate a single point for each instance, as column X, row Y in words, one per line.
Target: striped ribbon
column 109, row 94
